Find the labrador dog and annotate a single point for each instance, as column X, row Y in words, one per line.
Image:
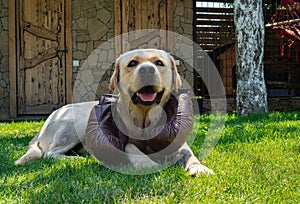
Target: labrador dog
column 144, row 80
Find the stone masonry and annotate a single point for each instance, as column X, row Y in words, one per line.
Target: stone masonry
column 92, row 27
column 183, row 25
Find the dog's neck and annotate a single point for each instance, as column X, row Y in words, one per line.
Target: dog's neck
column 150, row 115
column 140, row 116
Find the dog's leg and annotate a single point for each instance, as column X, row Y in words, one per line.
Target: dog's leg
column 190, row 163
column 59, row 151
column 138, row 158
column 33, row 153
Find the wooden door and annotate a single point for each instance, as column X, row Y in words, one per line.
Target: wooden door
column 136, row 15
column 43, row 53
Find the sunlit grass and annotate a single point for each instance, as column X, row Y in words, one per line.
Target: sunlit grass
column 256, row 160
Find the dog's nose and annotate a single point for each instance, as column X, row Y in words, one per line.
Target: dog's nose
column 147, row 70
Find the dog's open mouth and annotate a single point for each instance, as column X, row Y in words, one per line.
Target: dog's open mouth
column 147, row 96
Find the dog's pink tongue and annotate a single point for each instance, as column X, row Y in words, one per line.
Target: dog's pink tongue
column 147, row 96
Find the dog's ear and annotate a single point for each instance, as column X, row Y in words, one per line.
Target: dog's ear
column 176, row 77
column 114, row 80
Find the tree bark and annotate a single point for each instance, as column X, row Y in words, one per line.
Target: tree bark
column 250, row 33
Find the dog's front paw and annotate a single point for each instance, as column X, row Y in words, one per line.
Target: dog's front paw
column 144, row 163
column 196, row 169
column 138, row 158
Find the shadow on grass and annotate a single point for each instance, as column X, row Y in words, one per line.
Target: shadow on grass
column 82, row 179
column 12, row 149
column 71, row 180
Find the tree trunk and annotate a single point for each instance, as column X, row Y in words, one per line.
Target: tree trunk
column 250, row 33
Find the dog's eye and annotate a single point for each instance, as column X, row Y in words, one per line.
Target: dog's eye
column 132, row 63
column 159, row 63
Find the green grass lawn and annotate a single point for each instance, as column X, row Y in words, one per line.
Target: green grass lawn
column 256, row 160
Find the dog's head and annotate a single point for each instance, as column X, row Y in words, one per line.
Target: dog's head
column 147, row 77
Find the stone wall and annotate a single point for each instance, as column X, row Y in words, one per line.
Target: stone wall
column 92, row 27
column 183, row 25
column 4, row 68
column 183, row 17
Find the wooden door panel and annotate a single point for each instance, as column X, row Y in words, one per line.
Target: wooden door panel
column 135, row 15
column 42, row 56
